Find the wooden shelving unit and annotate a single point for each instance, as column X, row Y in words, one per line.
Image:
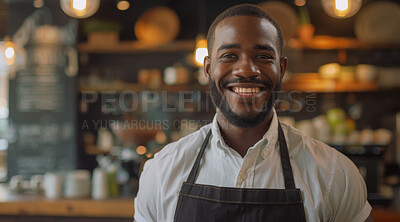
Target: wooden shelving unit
column 314, row 83
column 111, row 87
column 329, row 42
column 302, row 82
column 136, row 47
column 138, row 88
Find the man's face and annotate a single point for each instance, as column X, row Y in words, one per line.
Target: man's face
column 244, row 69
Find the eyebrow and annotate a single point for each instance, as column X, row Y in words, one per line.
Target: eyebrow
column 265, row 47
column 229, row 46
column 256, row 46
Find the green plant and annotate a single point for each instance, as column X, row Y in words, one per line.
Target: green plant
column 101, row 25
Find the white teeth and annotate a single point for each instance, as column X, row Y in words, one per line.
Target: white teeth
column 247, row 91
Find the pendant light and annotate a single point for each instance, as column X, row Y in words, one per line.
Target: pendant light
column 201, row 43
column 341, row 8
column 200, row 51
column 80, row 8
column 12, row 57
column 123, row 5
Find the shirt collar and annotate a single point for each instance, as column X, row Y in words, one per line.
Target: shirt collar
column 267, row 142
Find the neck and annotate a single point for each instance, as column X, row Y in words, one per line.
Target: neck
column 234, row 135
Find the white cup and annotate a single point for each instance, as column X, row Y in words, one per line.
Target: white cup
column 52, row 185
column 99, row 184
column 16, row 183
column 36, row 183
column 77, row 184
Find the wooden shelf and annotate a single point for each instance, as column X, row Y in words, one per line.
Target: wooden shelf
column 117, row 87
column 318, row 43
column 329, row 42
column 138, row 88
column 136, row 47
column 314, row 83
column 30, row 204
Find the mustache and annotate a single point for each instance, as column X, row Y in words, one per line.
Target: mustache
column 255, row 80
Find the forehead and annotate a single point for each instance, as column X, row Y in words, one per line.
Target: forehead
column 244, row 30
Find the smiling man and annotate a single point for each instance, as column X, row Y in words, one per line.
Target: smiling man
column 245, row 165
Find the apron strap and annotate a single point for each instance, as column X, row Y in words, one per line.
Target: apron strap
column 195, row 168
column 285, row 160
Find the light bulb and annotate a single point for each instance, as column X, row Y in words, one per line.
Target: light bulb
column 200, row 51
column 141, row 150
column 12, row 56
column 79, row 5
column 123, row 5
column 341, row 8
column 9, row 53
column 80, row 8
column 300, row 2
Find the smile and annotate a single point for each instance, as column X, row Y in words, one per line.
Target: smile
column 246, row 91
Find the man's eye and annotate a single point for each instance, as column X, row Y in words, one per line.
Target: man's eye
column 264, row 56
column 228, row 56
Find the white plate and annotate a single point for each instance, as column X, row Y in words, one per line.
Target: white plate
column 378, row 22
column 285, row 15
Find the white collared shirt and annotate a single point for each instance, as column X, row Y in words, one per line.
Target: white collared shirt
column 331, row 185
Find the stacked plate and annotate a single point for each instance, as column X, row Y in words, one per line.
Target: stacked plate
column 77, row 184
column 379, row 22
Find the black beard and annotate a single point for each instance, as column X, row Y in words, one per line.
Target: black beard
column 242, row 121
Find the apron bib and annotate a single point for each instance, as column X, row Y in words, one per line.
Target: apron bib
column 205, row 203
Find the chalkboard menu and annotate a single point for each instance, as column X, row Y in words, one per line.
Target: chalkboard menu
column 42, row 116
column 42, row 100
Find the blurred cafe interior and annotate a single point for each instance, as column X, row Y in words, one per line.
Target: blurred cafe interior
column 90, row 90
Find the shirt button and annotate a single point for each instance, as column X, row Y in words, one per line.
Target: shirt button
column 264, row 153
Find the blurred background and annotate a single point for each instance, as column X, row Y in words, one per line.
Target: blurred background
column 90, row 90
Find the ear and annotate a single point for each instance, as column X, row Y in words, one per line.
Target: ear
column 283, row 64
column 207, row 66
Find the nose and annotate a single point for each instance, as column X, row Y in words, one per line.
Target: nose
column 245, row 67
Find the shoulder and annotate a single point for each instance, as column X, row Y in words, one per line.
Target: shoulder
column 163, row 175
column 176, row 159
column 184, row 146
column 334, row 177
column 309, row 152
column 300, row 144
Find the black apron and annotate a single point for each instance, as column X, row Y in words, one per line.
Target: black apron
column 207, row 203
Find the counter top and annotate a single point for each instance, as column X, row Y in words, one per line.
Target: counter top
column 36, row 205
column 30, row 204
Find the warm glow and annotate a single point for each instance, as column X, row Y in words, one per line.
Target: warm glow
column 79, row 4
column 341, row 8
column 342, row 5
column 123, row 5
column 161, row 137
column 200, row 52
column 38, row 3
column 9, row 52
column 80, row 8
column 300, row 2
column 141, row 150
column 149, row 155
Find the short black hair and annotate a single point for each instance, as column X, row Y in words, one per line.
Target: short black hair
column 243, row 10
